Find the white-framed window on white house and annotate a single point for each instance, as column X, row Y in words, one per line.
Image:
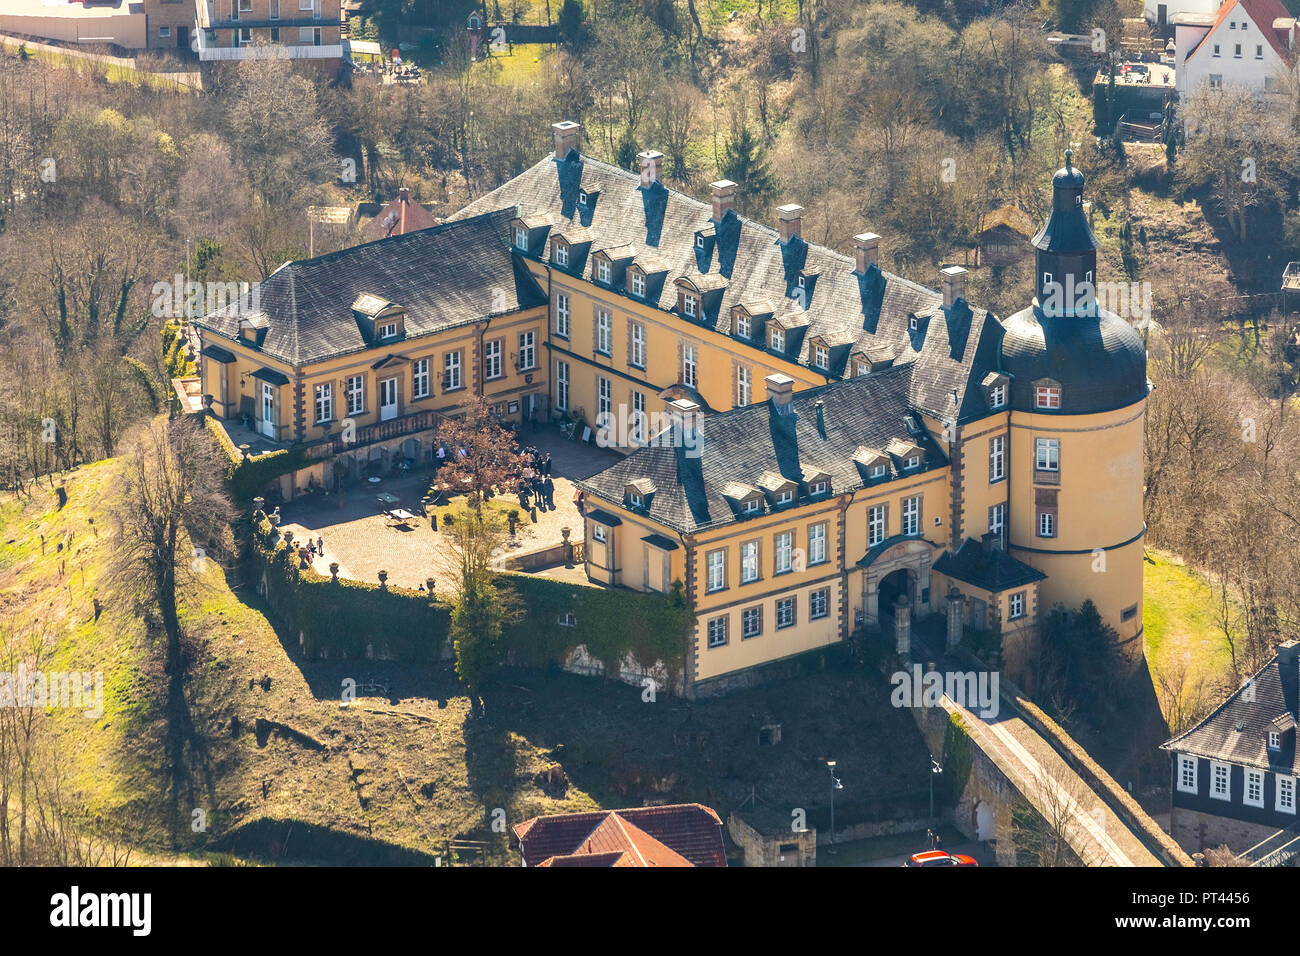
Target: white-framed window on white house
column 997, row 458
column 819, row 604
column 562, row 255
column 784, row 613
column 911, row 515
column 521, row 238
column 1216, row 80
column 1186, row 773
column 562, row 385
column 527, row 351
column 638, row 284
column 690, row 365
column 875, row 524
column 604, row 400
column 690, row 306
column 1259, row 51
column 784, row 552
column 1274, row 740
column 1220, row 781
column 997, row 396
column 1016, row 605
column 356, row 389
column 562, row 315
column 1047, row 396
column 636, row 331
column 603, row 272
column 817, row 543
column 1216, row 49
column 744, row 329
column 1254, row 795
column 751, row 622
column 749, row 562
column 492, row 350
column 717, row 631
column 324, row 402
column 638, row 417
column 1285, row 794
column 604, row 332
column 1047, row 454
column 777, row 340
column 1236, row 51
column 716, row 570
column 451, row 371
column 743, row 389
column 420, row 378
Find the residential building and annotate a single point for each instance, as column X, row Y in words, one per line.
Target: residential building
column 1233, row 774
column 682, row 834
column 399, row 217
column 1162, row 13
column 1244, row 43
column 240, row 29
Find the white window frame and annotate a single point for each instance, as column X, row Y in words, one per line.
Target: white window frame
column 1016, row 605
column 420, row 378
column 1220, row 773
column 778, row 339
column 1047, row 397
column 997, row 396
column 521, row 238
column 787, row 619
column 1274, row 740
column 1046, row 524
column 914, row 462
column 817, row 488
column 783, row 553
column 324, row 402
column 744, row 328
column 492, row 365
column 997, row 518
column 1047, row 454
column 911, row 515
column 562, row 255
column 715, row 576
column 751, row 622
column 997, row 458
column 603, row 271
column 785, row 497
column 690, row 365
column 1284, row 791
column 638, row 344
column 562, row 315
column 604, row 332
column 527, row 351
column 638, row 417
column 817, row 534
column 716, row 630
column 744, row 393
column 598, row 533
column 451, row 371
column 604, row 400
column 164, row 33
column 822, row 357
column 356, row 394
column 821, row 596
column 562, row 385
column 876, row 525
column 879, row 471
column 749, row 557
column 752, row 506
column 1254, row 782
column 638, row 284
column 690, row 305
column 388, row 330
column 1187, row 771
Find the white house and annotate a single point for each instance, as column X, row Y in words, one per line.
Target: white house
column 1161, row 13
column 1248, row 43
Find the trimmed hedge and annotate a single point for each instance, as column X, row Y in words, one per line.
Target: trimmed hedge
column 246, row 478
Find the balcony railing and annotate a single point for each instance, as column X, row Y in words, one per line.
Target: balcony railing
column 370, row 434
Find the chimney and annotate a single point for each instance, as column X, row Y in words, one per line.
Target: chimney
column 954, row 284
column 724, row 197
column 867, row 250
column 791, row 216
column 567, row 134
column 1288, row 653
column 685, row 417
column 991, row 541
column 780, row 391
column 404, row 194
column 652, row 163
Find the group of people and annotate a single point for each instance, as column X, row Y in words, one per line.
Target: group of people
column 536, row 489
column 311, row 551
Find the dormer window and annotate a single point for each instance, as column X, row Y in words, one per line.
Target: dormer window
column 752, row 506
column 1274, row 740
column 997, row 396
column 638, row 284
column 743, row 327
column 561, row 254
column 1047, row 397
column 913, row 461
column 387, row 330
column 602, row 270
column 862, row 368
column 803, row 282
column 778, row 339
column 817, row 488
column 690, row 306
column 634, row 499
column 582, row 198
column 879, row 471
column 521, row 238
column 822, row 357
column 699, row 241
column 912, row 323
column 785, row 496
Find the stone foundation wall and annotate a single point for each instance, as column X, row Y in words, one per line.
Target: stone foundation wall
column 1196, row 831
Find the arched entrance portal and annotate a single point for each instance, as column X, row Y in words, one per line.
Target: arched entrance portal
column 891, row 586
column 897, row 566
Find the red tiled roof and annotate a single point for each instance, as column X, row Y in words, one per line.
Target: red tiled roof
column 1261, row 12
column 407, row 216
column 685, row 834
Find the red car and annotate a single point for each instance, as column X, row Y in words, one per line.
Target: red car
column 940, row 858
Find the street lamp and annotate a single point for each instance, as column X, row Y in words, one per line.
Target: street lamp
column 935, row 769
column 835, row 785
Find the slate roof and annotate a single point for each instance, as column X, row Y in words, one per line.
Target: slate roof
column 683, row 834
column 992, row 569
column 450, row 275
column 871, row 311
column 744, row 444
column 1270, row 694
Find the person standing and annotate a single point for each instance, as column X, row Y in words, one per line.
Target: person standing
column 320, row 546
column 548, row 489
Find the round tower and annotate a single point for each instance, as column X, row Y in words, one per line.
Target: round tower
column 1078, row 397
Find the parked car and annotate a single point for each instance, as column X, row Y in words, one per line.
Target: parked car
column 940, row 858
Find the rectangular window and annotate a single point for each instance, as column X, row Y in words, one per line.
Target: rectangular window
column 817, row 543
column 784, row 613
column 638, row 284
column 1274, row 740
column 356, row 387
column 997, row 458
column 1220, row 788
column 1216, row 49
column 562, row 385
column 749, row 562
column 784, row 551
column 1236, row 50
column 521, row 238
column 164, row 32
column 562, row 315
column 604, row 400
column 1047, row 396
column 819, row 604
column 778, row 340
column 1016, row 605
column 1254, row 788
column 997, row 396
column 562, row 255
column 1259, row 51
column 1285, row 794
column 598, row 532
column 751, row 622
column 1046, row 524
column 604, row 333
column 451, row 371
column 997, row 519
column 690, row 365
column 275, row 9
column 304, row 34
column 822, row 357
column 324, row 402
column 1216, row 80
column 602, row 271
column 875, row 524
column 717, row 631
column 911, row 515
column 420, row 378
column 1186, row 774
column 1047, row 454
column 275, row 34
column 743, row 393
column 743, row 326
column 636, row 331
column 492, row 359
column 527, row 351
column 638, row 417
column 716, row 563
column 690, row 306
column 863, row 368
column 388, row 330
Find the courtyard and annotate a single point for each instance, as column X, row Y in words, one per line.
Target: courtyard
column 361, row 535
